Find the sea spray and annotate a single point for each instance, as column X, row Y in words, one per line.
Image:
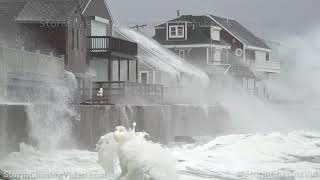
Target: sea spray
column 50, row 118
column 137, row 158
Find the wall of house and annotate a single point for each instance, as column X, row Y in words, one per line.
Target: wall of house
column 9, row 34
column 153, row 77
column 260, row 56
column 98, row 8
column 76, row 58
column 123, row 71
column 200, row 31
column 44, row 37
column 159, row 77
column 99, row 69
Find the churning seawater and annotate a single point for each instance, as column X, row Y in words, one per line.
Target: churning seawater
column 276, row 156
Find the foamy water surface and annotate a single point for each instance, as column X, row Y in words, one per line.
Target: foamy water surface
column 239, row 157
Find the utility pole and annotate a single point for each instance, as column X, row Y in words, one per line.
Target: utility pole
column 139, row 26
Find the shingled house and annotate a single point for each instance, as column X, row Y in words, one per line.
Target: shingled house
column 79, row 31
column 220, row 46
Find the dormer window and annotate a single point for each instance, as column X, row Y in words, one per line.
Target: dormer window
column 215, row 33
column 176, row 31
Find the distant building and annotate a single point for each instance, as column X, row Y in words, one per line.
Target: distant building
column 221, row 47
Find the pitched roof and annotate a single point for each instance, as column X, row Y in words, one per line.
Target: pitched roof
column 9, row 9
column 83, row 3
column 237, row 30
column 188, row 18
column 47, row 10
column 240, row 32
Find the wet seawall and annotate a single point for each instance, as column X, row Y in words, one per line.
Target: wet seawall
column 13, row 126
column 164, row 123
column 29, row 123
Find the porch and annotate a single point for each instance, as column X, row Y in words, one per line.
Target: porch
column 118, row 79
column 122, row 91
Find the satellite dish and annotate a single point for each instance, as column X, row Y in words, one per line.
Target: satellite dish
column 238, row 52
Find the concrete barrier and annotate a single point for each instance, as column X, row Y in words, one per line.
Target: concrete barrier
column 13, row 127
column 163, row 122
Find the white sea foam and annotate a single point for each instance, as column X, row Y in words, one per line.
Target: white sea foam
column 136, row 157
column 226, row 157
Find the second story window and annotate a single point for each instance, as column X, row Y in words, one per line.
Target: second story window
column 215, row 33
column 213, row 56
column 176, row 31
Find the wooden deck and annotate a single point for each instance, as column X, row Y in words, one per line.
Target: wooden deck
column 123, row 91
column 108, row 45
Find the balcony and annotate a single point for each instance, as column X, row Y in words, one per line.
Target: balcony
column 265, row 66
column 122, row 91
column 107, row 45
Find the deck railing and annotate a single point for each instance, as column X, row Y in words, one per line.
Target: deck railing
column 104, row 44
column 129, row 89
column 265, row 66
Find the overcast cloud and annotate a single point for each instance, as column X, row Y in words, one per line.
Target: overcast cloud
column 267, row 18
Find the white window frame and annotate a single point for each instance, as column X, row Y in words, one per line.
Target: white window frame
column 213, row 30
column 142, row 72
column 174, row 28
column 182, row 53
column 213, row 55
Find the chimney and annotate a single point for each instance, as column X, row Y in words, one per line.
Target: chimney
column 178, row 13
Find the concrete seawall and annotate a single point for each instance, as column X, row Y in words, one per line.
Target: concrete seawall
column 13, row 127
column 164, row 123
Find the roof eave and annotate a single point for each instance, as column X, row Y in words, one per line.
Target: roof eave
column 259, row 48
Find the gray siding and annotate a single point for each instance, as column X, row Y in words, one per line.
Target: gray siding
column 76, row 56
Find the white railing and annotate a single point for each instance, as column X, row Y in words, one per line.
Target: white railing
column 265, row 66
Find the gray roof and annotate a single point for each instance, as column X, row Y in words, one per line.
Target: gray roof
column 47, row 10
column 9, row 9
column 241, row 32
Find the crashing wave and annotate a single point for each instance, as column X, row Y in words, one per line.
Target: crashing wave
column 136, row 157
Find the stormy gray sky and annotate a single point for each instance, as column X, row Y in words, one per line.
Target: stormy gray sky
column 268, row 18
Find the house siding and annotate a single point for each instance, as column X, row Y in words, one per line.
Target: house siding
column 76, row 60
column 98, row 8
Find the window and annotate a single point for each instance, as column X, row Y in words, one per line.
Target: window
column 173, row 32
column 182, row 53
column 72, row 38
column 144, row 77
column 176, row 31
column 213, row 56
column 78, row 39
column 215, row 33
column 268, row 57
